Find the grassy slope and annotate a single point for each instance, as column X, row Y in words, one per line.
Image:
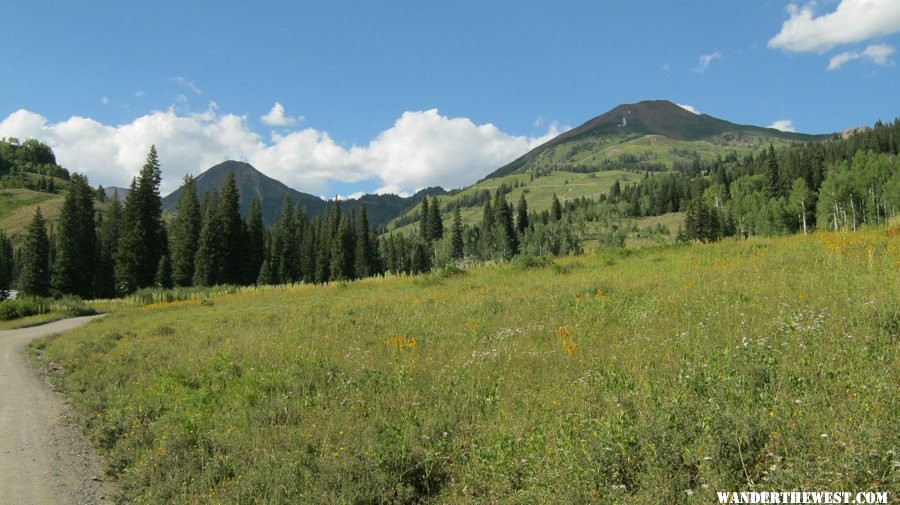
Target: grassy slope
column 627, row 377
column 539, row 193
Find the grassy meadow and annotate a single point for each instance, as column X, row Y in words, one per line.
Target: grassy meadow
column 657, row 375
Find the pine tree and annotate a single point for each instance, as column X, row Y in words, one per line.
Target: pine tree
column 456, row 236
column 163, row 276
column 436, row 224
column 108, row 243
column 504, row 228
column 285, row 250
column 773, row 177
column 254, row 243
column 185, row 233
column 364, row 252
column 35, row 258
column 231, row 228
column 76, row 247
column 425, row 221
column 143, row 238
column 6, row 264
column 208, row 260
column 555, row 209
column 265, row 276
column 342, row 252
column 521, row 215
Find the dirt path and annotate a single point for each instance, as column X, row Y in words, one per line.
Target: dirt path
column 44, row 458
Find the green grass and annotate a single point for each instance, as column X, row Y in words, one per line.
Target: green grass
column 27, row 311
column 634, row 376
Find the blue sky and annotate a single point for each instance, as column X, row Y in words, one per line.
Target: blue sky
column 344, row 97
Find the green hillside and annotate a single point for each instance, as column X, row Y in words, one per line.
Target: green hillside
column 653, row 376
column 538, row 192
column 652, row 134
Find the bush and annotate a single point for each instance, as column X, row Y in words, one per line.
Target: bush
column 24, row 306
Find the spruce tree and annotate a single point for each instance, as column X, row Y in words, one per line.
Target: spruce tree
column 364, row 254
column 773, row 177
column 555, row 209
column 254, row 243
column 163, row 277
column 436, row 224
column 108, row 242
column 521, row 215
column 285, row 251
column 185, row 233
column 457, row 246
column 35, row 258
column 143, row 238
column 6, row 264
column 425, row 221
column 231, row 228
column 208, row 260
column 342, row 252
column 504, row 228
column 73, row 267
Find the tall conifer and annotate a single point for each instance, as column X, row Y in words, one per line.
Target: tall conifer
column 185, row 233
column 35, row 258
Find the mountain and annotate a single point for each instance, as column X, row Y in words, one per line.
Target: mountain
column 120, row 193
column 651, row 132
column 251, row 183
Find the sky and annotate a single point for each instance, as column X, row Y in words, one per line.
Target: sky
column 350, row 97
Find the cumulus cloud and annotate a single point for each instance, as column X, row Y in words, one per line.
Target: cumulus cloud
column 876, row 53
column 186, row 83
column 276, row 117
column 422, row 148
column 688, row 108
column 853, row 21
column 705, row 61
column 785, row 125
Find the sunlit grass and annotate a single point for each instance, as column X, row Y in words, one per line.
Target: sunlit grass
column 652, row 376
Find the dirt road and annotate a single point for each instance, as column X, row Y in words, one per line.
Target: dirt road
column 44, row 458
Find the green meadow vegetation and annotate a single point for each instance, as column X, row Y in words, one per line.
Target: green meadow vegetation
column 657, row 375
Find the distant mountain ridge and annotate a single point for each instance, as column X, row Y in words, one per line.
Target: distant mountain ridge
column 251, row 183
column 662, row 118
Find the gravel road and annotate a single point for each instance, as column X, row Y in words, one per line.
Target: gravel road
column 44, row 458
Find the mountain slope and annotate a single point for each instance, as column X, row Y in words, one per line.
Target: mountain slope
column 676, row 131
column 251, row 183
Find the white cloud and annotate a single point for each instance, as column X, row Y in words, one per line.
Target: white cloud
column 876, row 53
column 276, row 117
column 705, row 60
column 104, row 100
column 186, row 83
column 785, row 125
column 422, row 148
column 688, row 108
column 853, row 21
column 139, row 94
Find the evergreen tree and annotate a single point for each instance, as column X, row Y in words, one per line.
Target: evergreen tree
column 208, row 260
column 6, row 264
column 522, row 215
column 254, row 243
column 108, row 243
column 436, row 224
column 185, row 233
column 773, row 175
column 265, row 276
column 342, row 252
column 364, row 251
column 425, row 221
column 555, row 209
column 143, row 238
column 34, row 278
column 456, row 236
column 504, row 228
column 164, row 273
column 76, row 245
column 231, row 228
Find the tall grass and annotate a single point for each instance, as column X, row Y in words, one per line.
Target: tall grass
column 656, row 376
